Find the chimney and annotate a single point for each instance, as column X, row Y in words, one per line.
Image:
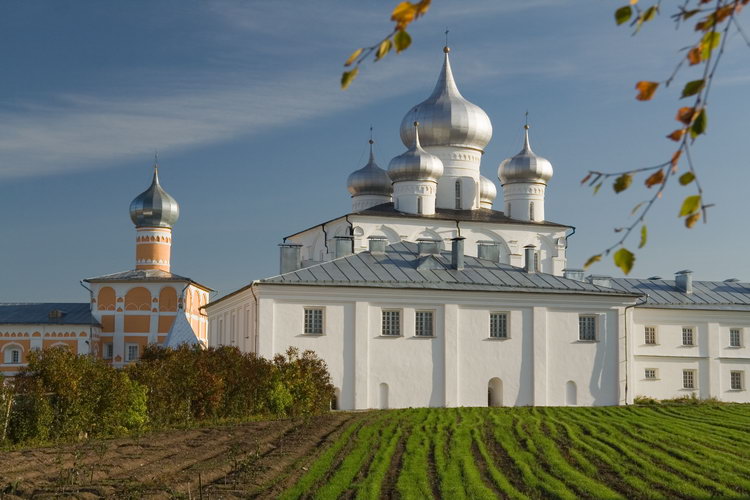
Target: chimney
column 377, row 245
column 488, row 250
column 428, row 247
column 457, row 253
column 598, row 279
column 530, row 252
column 684, row 281
column 573, row 274
column 343, row 245
column 290, row 257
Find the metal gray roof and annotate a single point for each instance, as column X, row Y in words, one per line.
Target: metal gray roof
column 143, row 275
column 39, row 313
column 402, row 267
column 708, row 295
column 181, row 333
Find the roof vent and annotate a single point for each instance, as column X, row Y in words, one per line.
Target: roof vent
column 344, row 245
column 530, row 264
column 290, row 257
column 488, row 250
column 684, row 281
column 56, row 314
column 457, row 253
column 573, row 274
column 428, row 247
column 377, row 245
column 599, row 280
column 731, row 280
column 654, row 278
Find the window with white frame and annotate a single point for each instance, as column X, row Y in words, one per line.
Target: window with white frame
column 587, row 327
column 424, row 326
column 12, row 355
column 108, row 350
column 650, row 373
column 650, row 335
column 688, row 379
column 688, row 335
column 736, row 381
column 131, row 352
column 735, row 337
column 391, row 323
column 536, row 261
column 314, row 321
column 499, row 325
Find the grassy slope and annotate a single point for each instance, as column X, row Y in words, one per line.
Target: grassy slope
column 617, row 452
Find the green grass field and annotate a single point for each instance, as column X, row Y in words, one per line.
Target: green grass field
column 697, row 451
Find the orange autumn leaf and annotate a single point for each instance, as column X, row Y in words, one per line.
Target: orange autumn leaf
column 655, row 178
column 677, row 134
column 675, row 159
column 692, row 219
column 645, row 90
column 723, row 13
column 685, row 115
column 695, row 55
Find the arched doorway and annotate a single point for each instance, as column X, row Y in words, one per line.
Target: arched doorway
column 571, row 393
column 383, row 396
column 495, row 392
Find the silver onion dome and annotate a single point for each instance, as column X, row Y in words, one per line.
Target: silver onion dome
column 415, row 164
column 154, row 207
column 487, row 191
column 526, row 166
column 370, row 179
column 446, row 118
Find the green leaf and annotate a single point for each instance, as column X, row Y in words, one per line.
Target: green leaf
column 644, row 236
column 650, row 13
column 401, row 40
column 623, row 14
column 690, row 205
column 592, row 260
column 597, row 187
column 692, row 88
column 687, row 178
column 622, row 183
column 348, row 76
column 635, row 208
column 708, row 43
column 624, row 259
column 699, row 124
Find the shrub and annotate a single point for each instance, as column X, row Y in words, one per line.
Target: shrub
column 645, row 400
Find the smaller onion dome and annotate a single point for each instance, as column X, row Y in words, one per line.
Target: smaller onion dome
column 487, row 191
column 370, row 179
column 526, row 166
column 415, row 164
column 154, row 207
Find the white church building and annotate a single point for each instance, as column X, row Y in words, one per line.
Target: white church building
column 424, row 295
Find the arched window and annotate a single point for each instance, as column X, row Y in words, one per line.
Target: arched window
column 419, row 205
column 495, row 392
column 458, row 194
column 571, row 393
column 536, row 261
column 383, row 396
column 509, row 211
column 531, row 211
column 12, row 354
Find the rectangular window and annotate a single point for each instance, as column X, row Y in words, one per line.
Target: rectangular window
column 314, row 321
column 587, row 327
column 132, row 352
column 499, row 325
column 108, row 350
column 650, row 334
column 688, row 337
column 688, row 379
column 15, row 356
column 391, row 323
column 735, row 337
column 650, row 373
column 736, row 381
column 424, row 324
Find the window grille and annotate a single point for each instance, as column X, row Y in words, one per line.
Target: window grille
column 424, row 324
column 736, row 380
column 458, row 194
column 391, row 323
column 15, row 356
column 108, row 351
column 314, row 321
column 650, row 373
column 650, row 334
column 419, row 205
column 132, row 352
column 688, row 379
column 735, row 337
column 499, row 325
column 587, row 328
column 688, row 337
column 531, row 211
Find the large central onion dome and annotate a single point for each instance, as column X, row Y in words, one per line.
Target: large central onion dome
column 487, row 192
column 446, row 118
column 416, row 164
column 526, row 166
column 154, row 207
column 370, row 179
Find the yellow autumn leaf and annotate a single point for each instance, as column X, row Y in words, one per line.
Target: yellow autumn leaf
column 646, row 90
column 353, row 57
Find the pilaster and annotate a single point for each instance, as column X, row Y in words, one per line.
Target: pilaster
column 451, row 353
column 361, row 355
column 539, row 329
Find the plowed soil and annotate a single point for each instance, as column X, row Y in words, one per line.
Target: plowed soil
column 253, row 460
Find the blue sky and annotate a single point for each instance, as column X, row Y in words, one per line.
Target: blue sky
column 256, row 140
